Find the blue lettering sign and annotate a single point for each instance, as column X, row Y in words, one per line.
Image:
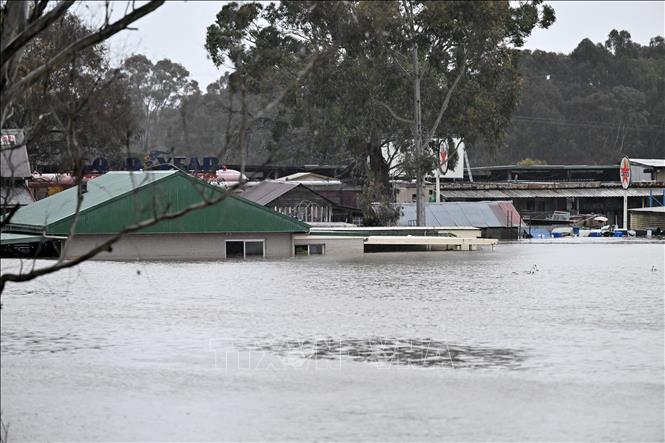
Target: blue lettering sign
column 210, row 164
column 179, row 162
column 133, row 164
column 100, row 165
column 194, row 164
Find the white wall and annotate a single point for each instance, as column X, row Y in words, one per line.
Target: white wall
column 177, row 246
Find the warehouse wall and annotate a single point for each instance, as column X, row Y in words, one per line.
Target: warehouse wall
column 647, row 220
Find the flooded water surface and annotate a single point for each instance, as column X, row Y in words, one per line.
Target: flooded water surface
column 529, row 342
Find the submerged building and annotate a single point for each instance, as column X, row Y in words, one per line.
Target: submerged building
column 494, row 219
column 299, row 201
column 116, row 201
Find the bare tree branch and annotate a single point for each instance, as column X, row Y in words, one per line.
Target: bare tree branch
column 444, row 105
column 395, row 116
column 33, row 29
column 10, row 93
column 38, row 10
column 106, row 245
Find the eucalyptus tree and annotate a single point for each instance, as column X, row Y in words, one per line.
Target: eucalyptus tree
column 154, row 87
column 85, row 89
column 387, row 72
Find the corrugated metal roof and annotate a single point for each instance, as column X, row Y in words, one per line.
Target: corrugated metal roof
column 101, row 190
column 117, row 200
column 14, row 162
column 509, row 194
column 653, row 162
column 655, row 209
column 7, row 238
column 305, row 176
column 267, row 191
column 477, row 214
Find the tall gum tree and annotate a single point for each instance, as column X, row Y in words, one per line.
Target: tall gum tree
column 362, row 93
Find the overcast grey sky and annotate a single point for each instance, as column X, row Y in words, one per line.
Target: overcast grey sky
column 177, row 30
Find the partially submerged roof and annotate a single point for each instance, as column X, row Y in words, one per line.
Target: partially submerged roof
column 117, row 200
column 14, row 162
column 267, row 191
column 477, row 214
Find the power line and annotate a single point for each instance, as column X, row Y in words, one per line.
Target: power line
column 586, row 124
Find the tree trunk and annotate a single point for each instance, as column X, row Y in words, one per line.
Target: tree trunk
column 378, row 168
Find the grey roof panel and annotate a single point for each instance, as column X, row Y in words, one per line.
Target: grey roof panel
column 509, row 194
column 477, row 214
column 267, row 191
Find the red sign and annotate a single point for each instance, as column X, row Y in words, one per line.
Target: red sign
column 443, row 159
column 624, row 172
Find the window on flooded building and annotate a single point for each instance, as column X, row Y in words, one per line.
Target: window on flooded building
column 313, row 249
column 244, row 248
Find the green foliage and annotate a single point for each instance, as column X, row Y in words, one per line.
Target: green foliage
column 593, row 106
column 86, row 93
column 363, row 71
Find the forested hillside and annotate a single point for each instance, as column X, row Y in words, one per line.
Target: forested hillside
column 593, row 106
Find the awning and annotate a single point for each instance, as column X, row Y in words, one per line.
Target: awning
column 510, row 194
column 7, row 238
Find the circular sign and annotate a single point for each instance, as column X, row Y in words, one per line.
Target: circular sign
column 443, row 159
column 624, row 172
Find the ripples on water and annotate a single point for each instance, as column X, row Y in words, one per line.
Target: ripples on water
column 426, row 352
column 579, row 340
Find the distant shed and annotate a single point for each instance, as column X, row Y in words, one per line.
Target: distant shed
column 496, row 219
column 297, row 200
column 648, row 218
column 116, row 200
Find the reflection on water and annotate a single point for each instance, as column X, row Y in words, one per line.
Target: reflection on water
column 398, row 351
column 32, row 342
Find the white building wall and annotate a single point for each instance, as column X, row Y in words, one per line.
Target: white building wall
column 334, row 245
column 177, row 246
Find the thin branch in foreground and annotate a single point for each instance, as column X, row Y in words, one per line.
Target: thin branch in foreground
column 34, row 28
column 394, row 115
column 107, row 245
column 446, row 100
column 9, row 94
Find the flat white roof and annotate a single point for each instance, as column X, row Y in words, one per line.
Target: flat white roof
column 656, row 209
column 653, row 162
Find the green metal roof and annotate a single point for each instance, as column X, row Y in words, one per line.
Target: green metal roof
column 7, row 238
column 117, row 200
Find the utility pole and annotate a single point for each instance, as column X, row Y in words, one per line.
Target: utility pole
column 420, row 195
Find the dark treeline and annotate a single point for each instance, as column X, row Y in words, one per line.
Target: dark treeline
column 593, row 106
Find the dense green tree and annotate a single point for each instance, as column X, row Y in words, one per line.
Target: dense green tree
column 597, row 104
column 85, row 97
column 359, row 94
column 155, row 87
